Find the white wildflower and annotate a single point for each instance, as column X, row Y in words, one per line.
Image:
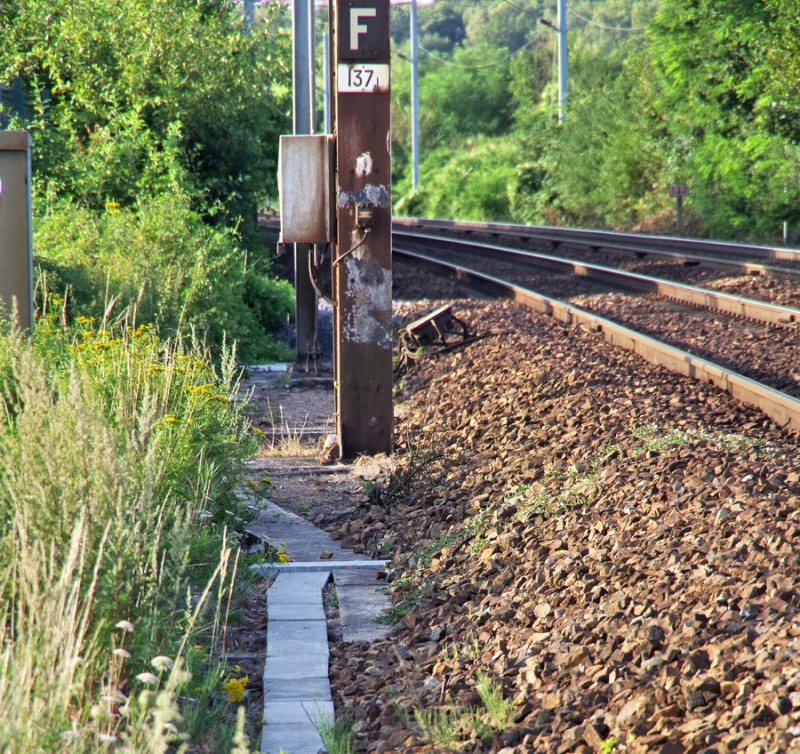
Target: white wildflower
column 120, row 652
column 116, row 697
column 161, row 662
column 125, row 625
column 147, row 678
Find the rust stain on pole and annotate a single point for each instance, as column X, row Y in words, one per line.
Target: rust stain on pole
column 363, row 259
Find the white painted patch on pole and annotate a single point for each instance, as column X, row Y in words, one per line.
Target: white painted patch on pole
column 372, row 292
column 363, row 164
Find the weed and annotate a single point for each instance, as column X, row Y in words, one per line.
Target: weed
column 499, row 710
column 275, row 552
column 121, row 457
column 331, row 598
column 449, row 541
column 454, row 539
column 386, row 549
column 418, row 469
column 338, row 736
column 542, row 502
column 439, row 726
column 470, row 649
column 451, row 727
column 287, row 440
column 398, row 611
column 608, row 746
column 658, row 438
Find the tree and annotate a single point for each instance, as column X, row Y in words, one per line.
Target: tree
column 113, row 83
column 155, row 140
column 723, row 76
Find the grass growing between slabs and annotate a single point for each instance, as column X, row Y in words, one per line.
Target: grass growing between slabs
column 120, row 460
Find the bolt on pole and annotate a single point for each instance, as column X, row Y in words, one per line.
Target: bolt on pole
column 362, row 262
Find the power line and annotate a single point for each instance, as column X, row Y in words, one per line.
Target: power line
column 602, row 26
column 483, row 65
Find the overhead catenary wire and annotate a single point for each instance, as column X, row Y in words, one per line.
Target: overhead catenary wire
column 637, row 29
column 493, row 64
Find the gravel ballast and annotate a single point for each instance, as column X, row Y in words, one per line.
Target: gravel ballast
column 614, row 546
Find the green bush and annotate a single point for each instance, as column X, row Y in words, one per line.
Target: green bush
column 113, row 84
column 165, row 263
column 484, row 171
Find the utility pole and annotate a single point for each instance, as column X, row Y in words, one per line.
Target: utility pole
column 249, row 8
column 561, row 21
column 362, row 261
column 561, row 28
column 303, row 83
column 326, row 76
column 414, row 97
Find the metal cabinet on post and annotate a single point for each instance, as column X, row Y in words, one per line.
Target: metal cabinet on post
column 16, row 244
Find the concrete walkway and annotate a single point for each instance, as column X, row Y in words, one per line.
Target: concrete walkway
column 297, row 693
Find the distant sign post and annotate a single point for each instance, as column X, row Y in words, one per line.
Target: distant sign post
column 679, row 190
column 16, row 248
column 362, row 264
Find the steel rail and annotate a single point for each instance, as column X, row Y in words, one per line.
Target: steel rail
column 727, row 303
column 669, row 247
column 780, row 407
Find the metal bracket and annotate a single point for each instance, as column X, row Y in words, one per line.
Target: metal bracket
column 431, row 330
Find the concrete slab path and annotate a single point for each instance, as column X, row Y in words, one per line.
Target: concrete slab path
column 297, row 693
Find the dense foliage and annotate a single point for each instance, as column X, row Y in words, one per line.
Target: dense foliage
column 121, row 458
column 676, row 91
column 155, row 141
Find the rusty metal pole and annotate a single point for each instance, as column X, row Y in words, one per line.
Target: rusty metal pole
column 362, row 265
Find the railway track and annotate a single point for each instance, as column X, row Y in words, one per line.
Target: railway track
column 614, row 545
column 748, row 348
column 745, row 257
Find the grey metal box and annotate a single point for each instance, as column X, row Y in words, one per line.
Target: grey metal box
column 16, row 247
column 305, row 181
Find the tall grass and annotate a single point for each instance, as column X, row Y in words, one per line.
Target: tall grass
column 120, row 457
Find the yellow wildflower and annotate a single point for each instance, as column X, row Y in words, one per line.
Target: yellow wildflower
column 235, row 688
column 201, row 389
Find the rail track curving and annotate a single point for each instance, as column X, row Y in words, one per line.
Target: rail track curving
column 747, row 347
column 689, row 249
